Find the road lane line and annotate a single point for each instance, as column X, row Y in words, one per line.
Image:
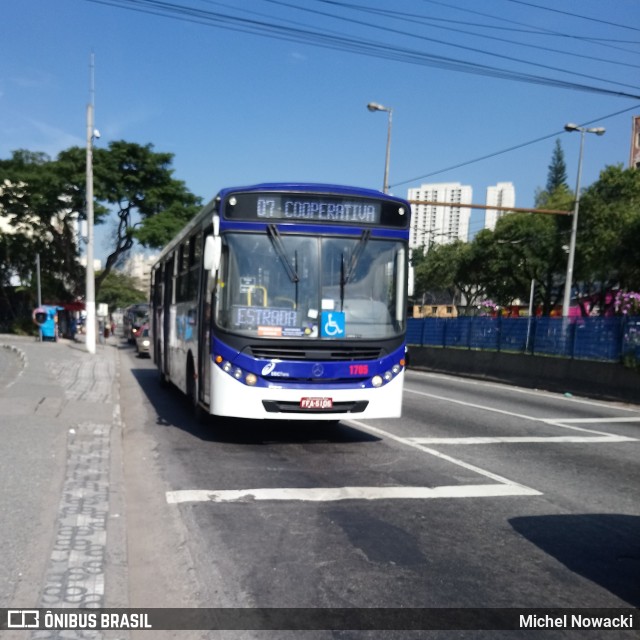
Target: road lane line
column 473, row 405
column 557, row 422
column 522, row 390
column 522, row 439
column 332, row 494
column 442, row 456
column 593, row 420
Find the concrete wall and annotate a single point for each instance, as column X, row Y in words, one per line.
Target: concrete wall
column 603, row 380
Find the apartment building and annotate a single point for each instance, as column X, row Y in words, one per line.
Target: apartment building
column 502, row 194
column 443, row 222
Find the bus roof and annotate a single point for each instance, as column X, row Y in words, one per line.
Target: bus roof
column 317, row 187
column 286, row 187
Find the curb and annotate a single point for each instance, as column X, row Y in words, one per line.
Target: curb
column 22, row 356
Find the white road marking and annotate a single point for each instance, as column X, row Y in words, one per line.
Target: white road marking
column 556, row 422
column 522, row 439
column 472, row 405
column 349, row 493
column 523, row 390
column 442, row 456
column 501, row 487
column 592, row 420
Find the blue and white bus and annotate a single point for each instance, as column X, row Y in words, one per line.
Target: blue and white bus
column 286, row 301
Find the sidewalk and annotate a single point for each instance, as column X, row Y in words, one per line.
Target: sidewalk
column 58, row 407
column 57, row 379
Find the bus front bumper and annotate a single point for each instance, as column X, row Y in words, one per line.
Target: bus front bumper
column 230, row 397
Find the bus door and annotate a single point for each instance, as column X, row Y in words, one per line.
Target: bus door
column 166, row 316
column 207, row 280
column 157, row 287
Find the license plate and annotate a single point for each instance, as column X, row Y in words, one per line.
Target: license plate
column 316, row 403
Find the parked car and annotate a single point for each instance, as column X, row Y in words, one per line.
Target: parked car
column 143, row 342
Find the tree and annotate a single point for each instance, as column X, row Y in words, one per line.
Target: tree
column 523, row 248
column 137, row 183
column 44, row 199
column 557, row 173
column 41, row 203
column 561, row 198
column 119, row 291
column 607, row 254
column 454, row 268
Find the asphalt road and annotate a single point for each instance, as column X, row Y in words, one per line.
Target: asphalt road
column 481, row 496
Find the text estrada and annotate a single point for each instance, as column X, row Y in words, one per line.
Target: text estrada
column 572, row 621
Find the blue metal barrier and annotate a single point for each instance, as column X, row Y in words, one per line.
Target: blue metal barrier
column 607, row 339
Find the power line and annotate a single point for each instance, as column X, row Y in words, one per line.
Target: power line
column 572, row 14
column 404, row 33
column 513, row 148
column 529, row 29
column 346, row 43
column 432, row 22
column 502, row 19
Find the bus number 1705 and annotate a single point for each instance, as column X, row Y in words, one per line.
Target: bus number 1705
column 358, row 369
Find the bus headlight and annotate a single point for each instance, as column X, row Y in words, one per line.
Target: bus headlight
column 227, row 366
column 396, row 369
column 237, row 373
column 388, row 376
column 376, row 381
column 251, row 379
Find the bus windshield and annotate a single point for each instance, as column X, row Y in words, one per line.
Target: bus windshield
column 286, row 285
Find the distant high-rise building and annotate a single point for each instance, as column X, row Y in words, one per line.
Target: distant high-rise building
column 138, row 266
column 634, row 156
column 439, row 223
column 502, row 194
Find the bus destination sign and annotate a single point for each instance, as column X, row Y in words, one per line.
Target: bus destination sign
column 320, row 208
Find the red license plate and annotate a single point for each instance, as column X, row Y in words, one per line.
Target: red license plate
column 316, row 403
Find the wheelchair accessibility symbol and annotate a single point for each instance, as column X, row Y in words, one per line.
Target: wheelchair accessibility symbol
column 332, row 324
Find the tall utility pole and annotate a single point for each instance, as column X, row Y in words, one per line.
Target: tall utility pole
column 90, row 294
column 374, row 106
column 599, row 131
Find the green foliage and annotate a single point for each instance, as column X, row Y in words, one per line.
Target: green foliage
column 607, row 245
column 557, row 173
column 44, row 199
column 533, row 247
column 120, row 291
column 156, row 231
column 41, row 204
column 138, row 183
column 453, row 268
column 524, row 248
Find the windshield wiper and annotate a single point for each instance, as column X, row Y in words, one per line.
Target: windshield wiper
column 355, row 256
column 276, row 241
column 347, row 273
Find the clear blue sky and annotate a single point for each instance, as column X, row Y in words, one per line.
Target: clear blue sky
column 264, row 90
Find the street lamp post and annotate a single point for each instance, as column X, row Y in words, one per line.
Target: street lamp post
column 599, row 131
column 90, row 290
column 374, row 106
column 90, row 293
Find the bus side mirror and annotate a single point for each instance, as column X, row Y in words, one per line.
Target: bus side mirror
column 212, row 253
